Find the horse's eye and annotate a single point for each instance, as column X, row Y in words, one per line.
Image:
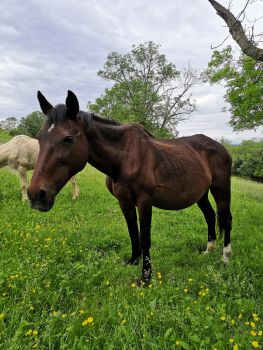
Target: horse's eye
column 68, row 140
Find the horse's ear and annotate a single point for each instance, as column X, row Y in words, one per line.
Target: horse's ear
column 72, row 105
column 44, row 104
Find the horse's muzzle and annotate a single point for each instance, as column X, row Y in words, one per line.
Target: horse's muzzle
column 41, row 199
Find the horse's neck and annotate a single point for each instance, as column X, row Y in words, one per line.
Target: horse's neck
column 105, row 145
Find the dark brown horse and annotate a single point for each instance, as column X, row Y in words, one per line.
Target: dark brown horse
column 142, row 171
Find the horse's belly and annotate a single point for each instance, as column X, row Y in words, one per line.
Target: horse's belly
column 165, row 198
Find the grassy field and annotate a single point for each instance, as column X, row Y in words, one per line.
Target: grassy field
column 64, row 283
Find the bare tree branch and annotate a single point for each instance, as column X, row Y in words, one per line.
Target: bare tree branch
column 237, row 32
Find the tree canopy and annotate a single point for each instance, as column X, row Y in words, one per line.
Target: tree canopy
column 147, row 89
column 243, row 79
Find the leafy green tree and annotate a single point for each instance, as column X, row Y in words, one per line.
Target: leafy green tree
column 247, row 158
column 243, row 79
column 147, row 89
column 31, row 124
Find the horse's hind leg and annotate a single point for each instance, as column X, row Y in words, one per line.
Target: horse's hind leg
column 222, row 198
column 23, row 182
column 209, row 215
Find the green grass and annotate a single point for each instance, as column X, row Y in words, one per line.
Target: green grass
column 59, row 268
column 4, row 136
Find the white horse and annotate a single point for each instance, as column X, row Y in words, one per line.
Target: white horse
column 20, row 154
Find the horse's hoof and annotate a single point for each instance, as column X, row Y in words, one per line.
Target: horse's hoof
column 227, row 252
column 211, row 247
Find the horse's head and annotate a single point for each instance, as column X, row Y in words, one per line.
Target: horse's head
column 63, row 151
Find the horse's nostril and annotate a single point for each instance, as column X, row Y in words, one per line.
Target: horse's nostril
column 42, row 195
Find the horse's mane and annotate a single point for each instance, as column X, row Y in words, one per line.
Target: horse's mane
column 87, row 118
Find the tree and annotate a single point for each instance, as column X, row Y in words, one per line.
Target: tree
column 9, row 123
column 243, row 79
column 246, row 44
column 31, row 124
column 147, row 89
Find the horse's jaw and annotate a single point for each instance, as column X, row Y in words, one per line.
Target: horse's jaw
column 44, row 207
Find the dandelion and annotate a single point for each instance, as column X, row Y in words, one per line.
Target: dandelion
column 133, row 285
column 255, row 316
column 159, row 275
column 252, row 324
column 231, row 340
column 81, row 311
column 223, row 318
column 260, row 333
column 186, row 290
column 255, row 344
column 29, row 332
column 253, row 333
column 235, row 347
column 88, row 321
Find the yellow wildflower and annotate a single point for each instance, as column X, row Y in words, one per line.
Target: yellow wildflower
column 29, row 332
column 35, row 332
column 235, row 347
column 222, row 318
column 253, row 333
column 2, row 315
column 186, row 290
column 255, row 316
column 88, row 321
column 260, row 333
column 133, row 285
column 231, row 340
column 252, row 324
column 177, row 343
column 81, row 311
column 255, row 344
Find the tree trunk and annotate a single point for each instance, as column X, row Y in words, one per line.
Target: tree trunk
column 237, row 32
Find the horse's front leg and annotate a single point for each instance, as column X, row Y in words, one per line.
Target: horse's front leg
column 23, row 182
column 75, row 187
column 144, row 205
column 129, row 212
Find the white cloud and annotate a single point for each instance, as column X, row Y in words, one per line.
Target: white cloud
column 58, row 45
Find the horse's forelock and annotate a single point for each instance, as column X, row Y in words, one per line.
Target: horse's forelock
column 58, row 114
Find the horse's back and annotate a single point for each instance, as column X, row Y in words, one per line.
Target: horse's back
column 22, row 151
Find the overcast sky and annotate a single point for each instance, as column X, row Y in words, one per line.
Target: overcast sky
column 55, row 46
